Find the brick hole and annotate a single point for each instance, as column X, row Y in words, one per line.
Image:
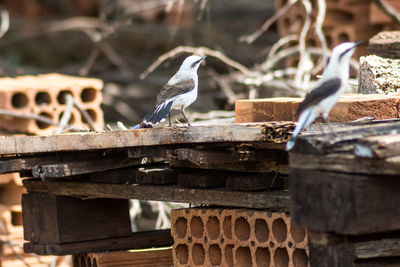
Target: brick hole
column 189, row 240
column 94, row 262
column 300, row 258
column 197, row 226
column 89, row 262
column 215, row 255
column 88, row 95
column 271, row 244
column 180, row 227
column 82, row 260
column 182, row 253
column 42, row 125
column 343, row 37
column 71, row 119
column 19, row 100
column 198, row 254
column 42, row 99
column 243, row 257
column 61, row 96
column 328, row 40
column 261, row 230
column 229, row 255
column 213, row 227
column 252, row 243
column 279, row 230
column 242, row 229
column 298, row 233
column 281, row 257
column 16, row 218
column 92, row 115
column 290, row 244
column 262, row 257
column 286, row 23
column 227, row 227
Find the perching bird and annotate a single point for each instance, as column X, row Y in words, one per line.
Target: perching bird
column 178, row 93
column 327, row 90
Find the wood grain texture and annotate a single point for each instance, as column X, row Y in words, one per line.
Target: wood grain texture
column 265, row 132
column 271, row 200
column 138, row 240
column 347, row 204
column 50, row 219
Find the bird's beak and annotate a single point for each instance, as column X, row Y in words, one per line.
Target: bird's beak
column 202, row 58
column 357, row 43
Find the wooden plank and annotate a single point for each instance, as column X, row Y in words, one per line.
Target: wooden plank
column 349, row 107
column 380, row 252
column 346, row 164
column 273, row 132
column 272, row 200
column 344, row 203
column 157, row 175
column 201, row 179
column 119, row 176
column 344, row 138
column 138, row 240
column 82, row 167
column 161, row 257
column 253, row 182
column 244, row 161
column 50, row 219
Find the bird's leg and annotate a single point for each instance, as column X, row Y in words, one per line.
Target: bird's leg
column 183, row 113
column 169, row 119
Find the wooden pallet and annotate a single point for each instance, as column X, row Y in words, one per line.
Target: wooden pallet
column 345, row 187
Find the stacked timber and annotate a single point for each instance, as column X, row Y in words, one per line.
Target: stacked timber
column 79, row 185
column 344, row 190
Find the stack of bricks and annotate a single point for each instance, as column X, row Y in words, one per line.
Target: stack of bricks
column 345, row 20
column 236, row 237
column 45, row 95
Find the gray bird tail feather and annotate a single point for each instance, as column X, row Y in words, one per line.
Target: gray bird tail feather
column 158, row 114
column 305, row 119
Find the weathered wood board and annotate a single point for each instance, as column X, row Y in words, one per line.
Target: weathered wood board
column 347, row 204
column 138, row 240
column 271, row 200
column 50, row 219
column 262, row 132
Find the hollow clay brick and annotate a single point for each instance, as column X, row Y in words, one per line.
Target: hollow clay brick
column 44, row 95
column 236, row 237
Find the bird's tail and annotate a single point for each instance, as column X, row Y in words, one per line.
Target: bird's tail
column 305, row 119
column 158, row 114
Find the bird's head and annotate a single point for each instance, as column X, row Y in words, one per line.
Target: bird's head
column 191, row 63
column 344, row 51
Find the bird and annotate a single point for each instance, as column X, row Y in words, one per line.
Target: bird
column 332, row 84
column 179, row 92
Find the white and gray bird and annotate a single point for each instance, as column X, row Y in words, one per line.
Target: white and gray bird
column 332, row 84
column 179, row 92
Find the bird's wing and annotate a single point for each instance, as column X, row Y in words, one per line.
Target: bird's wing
column 171, row 90
column 324, row 90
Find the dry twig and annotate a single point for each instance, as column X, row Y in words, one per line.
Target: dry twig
column 249, row 39
column 201, row 51
column 388, row 10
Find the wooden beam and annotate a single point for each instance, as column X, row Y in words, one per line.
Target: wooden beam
column 272, row 200
column 138, row 240
column 50, row 219
column 347, row 204
column 242, row 161
column 273, row 132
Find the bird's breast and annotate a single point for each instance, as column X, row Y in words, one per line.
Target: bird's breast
column 184, row 100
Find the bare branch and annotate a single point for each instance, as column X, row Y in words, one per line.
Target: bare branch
column 318, row 30
column 202, row 51
column 388, row 10
column 268, row 64
column 69, row 101
column 249, row 39
column 30, row 116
